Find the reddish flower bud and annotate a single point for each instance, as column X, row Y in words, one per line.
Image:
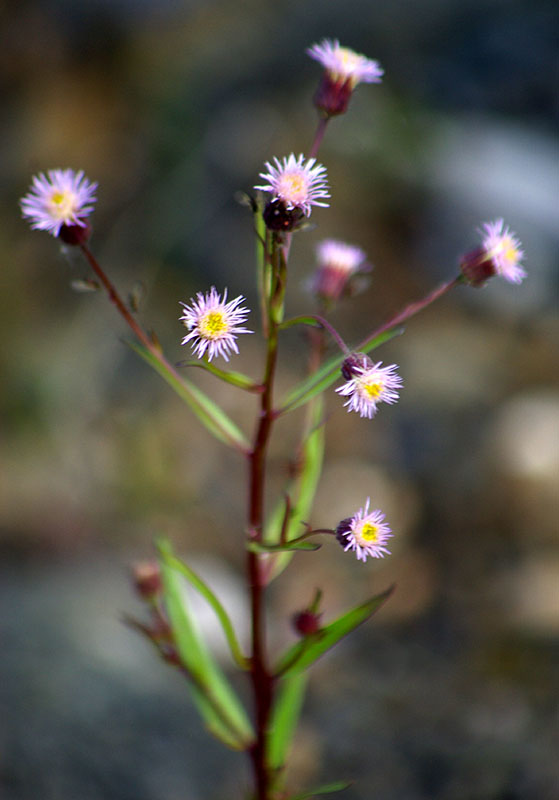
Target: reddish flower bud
column 306, row 622
column 147, row 579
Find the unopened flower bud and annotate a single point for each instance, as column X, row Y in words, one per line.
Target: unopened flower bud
column 306, row 622
column 147, row 579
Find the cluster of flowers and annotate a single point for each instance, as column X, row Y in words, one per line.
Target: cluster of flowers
column 61, row 201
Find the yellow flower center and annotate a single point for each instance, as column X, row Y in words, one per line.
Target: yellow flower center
column 369, row 533
column 61, row 205
column 372, row 390
column 293, row 188
column 348, row 58
column 510, row 252
column 213, row 324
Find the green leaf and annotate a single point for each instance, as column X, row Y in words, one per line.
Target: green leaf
column 208, row 412
column 218, row 704
column 234, row 378
column 312, row 321
column 326, row 375
column 328, row 788
column 309, row 649
column 262, row 547
column 285, row 715
column 301, row 490
column 214, row 602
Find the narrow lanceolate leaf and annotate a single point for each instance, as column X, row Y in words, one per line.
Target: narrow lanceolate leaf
column 234, row 378
column 326, row 375
column 309, row 649
column 301, row 491
column 285, row 715
column 257, row 547
column 311, row 321
column 207, row 411
column 217, row 703
column 328, row 788
column 220, row 612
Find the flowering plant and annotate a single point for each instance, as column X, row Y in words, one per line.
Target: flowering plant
column 61, row 203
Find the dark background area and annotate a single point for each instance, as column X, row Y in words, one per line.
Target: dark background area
column 450, row 692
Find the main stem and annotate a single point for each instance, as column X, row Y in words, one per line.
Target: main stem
column 262, row 680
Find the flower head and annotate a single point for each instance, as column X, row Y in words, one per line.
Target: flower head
column 500, row 253
column 365, row 533
column 343, row 70
column 60, row 199
column 337, row 263
column 213, row 324
column 296, row 186
column 504, row 250
column 343, row 64
column 369, row 385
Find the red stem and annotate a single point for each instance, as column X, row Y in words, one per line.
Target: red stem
column 262, row 680
column 411, row 310
column 318, row 136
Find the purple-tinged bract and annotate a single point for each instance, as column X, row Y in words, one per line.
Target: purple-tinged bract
column 298, row 185
column 61, row 198
column 369, row 386
column 214, row 324
column 365, row 533
column 504, row 249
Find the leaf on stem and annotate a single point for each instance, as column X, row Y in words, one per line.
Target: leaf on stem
column 304, row 653
column 234, row 378
column 328, row 788
column 326, row 375
column 262, row 547
column 284, row 718
column 301, row 491
column 217, row 703
column 312, row 321
column 208, row 595
column 207, row 411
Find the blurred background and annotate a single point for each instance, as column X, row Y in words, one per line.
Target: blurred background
column 450, row 692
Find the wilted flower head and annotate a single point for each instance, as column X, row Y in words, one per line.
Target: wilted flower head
column 59, row 200
column 365, row 533
column 500, row 254
column 369, row 384
column 344, row 69
column 213, row 324
column 295, row 186
column 337, row 263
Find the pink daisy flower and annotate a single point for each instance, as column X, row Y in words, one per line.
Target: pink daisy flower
column 344, row 65
column 213, row 324
column 504, row 250
column 337, row 263
column 298, row 185
column 369, row 386
column 61, row 198
column 365, row 533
